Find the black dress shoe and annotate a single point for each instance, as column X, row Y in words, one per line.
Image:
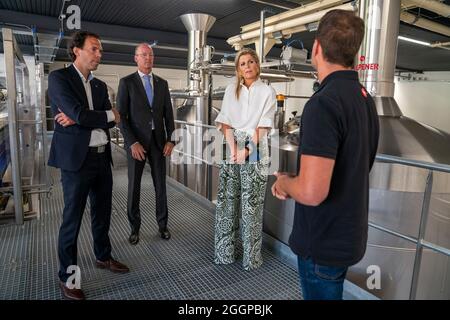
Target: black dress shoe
column 165, row 234
column 134, row 238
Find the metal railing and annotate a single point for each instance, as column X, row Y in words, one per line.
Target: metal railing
column 420, row 241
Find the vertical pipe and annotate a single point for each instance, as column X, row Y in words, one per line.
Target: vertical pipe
column 40, row 76
column 379, row 47
column 10, row 56
column 261, row 35
column 210, row 121
column 197, row 39
column 201, row 172
column 185, row 157
column 421, row 236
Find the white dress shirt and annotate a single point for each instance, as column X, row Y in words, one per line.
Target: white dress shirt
column 254, row 108
column 98, row 136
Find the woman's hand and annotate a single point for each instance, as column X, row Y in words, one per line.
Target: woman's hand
column 241, row 155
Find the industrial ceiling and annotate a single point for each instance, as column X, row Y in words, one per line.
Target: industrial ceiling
column 124, row 23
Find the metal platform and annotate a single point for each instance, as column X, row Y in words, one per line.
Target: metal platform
column 181, row 268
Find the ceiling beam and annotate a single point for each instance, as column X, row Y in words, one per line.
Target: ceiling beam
column 120, row 35
column 47, row 24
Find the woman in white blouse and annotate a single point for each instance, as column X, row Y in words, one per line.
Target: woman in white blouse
column 245, row 119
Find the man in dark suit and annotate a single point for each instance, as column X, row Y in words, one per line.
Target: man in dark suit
column 81, row 149
column 147, row 124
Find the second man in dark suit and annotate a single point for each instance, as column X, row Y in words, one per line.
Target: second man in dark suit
column 81, row 149
column 147, row 124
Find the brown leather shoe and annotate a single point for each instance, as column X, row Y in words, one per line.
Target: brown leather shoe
column 71, row 294
column 112, row 265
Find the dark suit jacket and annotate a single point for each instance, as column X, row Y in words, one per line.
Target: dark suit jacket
column 136, row 114
column 66, row 92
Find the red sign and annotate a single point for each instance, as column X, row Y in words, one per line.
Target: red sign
column 366, row 66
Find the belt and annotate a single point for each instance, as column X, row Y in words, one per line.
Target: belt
column 99, row 149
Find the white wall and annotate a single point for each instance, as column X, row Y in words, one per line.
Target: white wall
column 427, row 101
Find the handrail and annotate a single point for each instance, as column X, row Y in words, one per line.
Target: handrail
column 379, row 157
column 414, row 163
column 195, row 124
column 425, row 244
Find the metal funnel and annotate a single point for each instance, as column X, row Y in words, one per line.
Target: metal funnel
column 197, row 21
column 197, row 25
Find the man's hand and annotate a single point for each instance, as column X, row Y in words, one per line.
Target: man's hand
column 116, row 116
column 138, row 151
column 63, row 120
column 168, row 147
column 277, row 190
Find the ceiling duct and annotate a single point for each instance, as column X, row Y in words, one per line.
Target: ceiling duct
column 424, row 23
column 286, row 26
column 430, row 5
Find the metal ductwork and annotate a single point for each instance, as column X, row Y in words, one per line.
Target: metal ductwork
column 430, row 5
column 379, row 47
column 285, row 27
column 424, row 23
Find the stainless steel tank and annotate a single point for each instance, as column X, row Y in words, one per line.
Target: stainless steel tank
column 398, row 195
column 397, row 192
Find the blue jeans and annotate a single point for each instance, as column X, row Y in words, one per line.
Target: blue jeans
column 318, row 282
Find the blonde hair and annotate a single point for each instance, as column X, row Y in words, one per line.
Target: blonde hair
column 239, row 78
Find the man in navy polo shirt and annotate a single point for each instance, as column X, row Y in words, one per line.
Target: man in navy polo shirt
column 338, row 143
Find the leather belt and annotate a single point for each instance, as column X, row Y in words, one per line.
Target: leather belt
column 99, row 149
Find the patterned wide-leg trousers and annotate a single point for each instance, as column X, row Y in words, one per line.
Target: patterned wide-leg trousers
column 243, row 184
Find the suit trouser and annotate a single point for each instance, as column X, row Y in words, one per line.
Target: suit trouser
column 248, row 182
column 157, row 163
column 94, row 179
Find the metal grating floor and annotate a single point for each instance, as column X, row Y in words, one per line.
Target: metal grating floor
column 180, row 268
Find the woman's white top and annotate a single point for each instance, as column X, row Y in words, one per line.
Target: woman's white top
column 254, row 108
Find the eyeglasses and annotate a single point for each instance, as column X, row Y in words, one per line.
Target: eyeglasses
column 145, row 55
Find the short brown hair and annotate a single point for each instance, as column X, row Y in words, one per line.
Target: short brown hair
column 340, row 34
column 77, row 40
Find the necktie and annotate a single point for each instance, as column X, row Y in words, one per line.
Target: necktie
column 148, row 89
